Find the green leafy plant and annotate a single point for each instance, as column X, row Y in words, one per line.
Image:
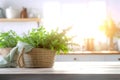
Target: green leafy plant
column 53, row 40
column 8, row 39
column 34, row 37
column 38, row 38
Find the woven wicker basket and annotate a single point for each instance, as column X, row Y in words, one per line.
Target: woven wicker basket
column 38, row 57
column 4, row 51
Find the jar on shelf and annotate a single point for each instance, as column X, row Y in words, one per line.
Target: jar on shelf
column 12, row 12
column 23, row 13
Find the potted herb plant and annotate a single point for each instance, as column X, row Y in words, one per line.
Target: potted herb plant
column 8, row 40
column 45, row 44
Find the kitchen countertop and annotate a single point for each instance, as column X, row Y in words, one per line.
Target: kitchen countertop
column 65, row 71
column 93, row 53
column 89, row 53
column 69, row 68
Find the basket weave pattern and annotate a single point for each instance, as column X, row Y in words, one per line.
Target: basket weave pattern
column 4, row 51
column 39, row 58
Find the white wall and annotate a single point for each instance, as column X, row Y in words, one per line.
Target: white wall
column 112, row 5
column 31, row 4
column 37, row 5
column 19, row 27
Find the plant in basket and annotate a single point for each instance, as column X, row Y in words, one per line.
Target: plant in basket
column 45, row 44
column 8, row 40
column 8, row 51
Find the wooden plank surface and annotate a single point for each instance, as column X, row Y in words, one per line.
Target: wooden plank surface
column 69, row 68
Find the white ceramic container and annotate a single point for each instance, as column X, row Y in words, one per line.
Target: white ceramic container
column 12, row 13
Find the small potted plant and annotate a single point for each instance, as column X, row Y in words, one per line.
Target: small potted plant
column 8, row 40
column 45, row 44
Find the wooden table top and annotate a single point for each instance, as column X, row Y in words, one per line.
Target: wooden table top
column 69, row 68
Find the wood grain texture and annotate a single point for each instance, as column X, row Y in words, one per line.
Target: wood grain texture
column 20, row 20
column 69, row 68
column 65, row 71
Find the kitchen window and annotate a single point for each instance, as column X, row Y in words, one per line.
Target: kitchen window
column 84, row 18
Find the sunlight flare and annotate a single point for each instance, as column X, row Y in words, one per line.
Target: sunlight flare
column 85, row 19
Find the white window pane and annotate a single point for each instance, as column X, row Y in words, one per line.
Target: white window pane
column 51, row 13
column 85, row 18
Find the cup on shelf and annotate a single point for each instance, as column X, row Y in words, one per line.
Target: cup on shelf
column 12, row 13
